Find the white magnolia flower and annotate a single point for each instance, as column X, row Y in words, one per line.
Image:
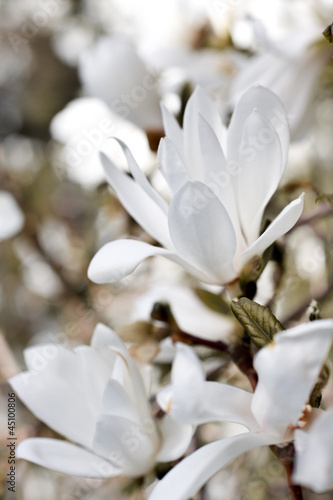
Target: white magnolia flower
column 11, row 216
column 95, row 397
column 288, row 369
column 221, row 181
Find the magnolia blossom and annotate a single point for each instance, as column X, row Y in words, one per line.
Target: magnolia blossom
column 95, row 396
column 220, row 180
column 288, row 369
column 11, row 216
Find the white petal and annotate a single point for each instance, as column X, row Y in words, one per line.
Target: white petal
column 190, row 399
column 103, row 336
column 217, row 178
column 173, row 130
column 117, row 259
column 314, row 455
column 140, row 178
column 270, row 107
column 280, row 226
column 172, row 166
column 202, row 232
column 193, row 472
column 126, row 443
column 187, row 378
column 260, row 164
column 11, row 216
column 95, row 374
column 53, row 388
column 138, row 204
column 176, row 438
column 117, row 402
column 66, row 458
column 199, row 102
column 288, row 369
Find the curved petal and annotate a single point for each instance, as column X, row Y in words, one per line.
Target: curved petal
column 192, row 400
column 288, row 369
column 199, row 102
column 117, row 402
column 187, row 378
column 126, row 443
column 193, row 472
column 280, row 226
column 173, row 130
column 260, row 164
column 53, row 389
column 95, row 372
column 270, row 107
column 140, row 178
column 117, row 259
column 66, row 458
column 105, row 336
column 175, row 439
column 202, row 232
column 217, row 177
column 314, row 455
column 138, row 203
column 171, row 164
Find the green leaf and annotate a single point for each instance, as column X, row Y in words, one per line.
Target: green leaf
column 258, row 321
column 328, row 33
column 325, row 197
column 213, row 301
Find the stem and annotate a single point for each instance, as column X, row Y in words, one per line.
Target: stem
column 187, row 338
column 286, row 456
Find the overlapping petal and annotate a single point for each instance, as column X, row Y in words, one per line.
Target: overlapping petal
column 66, row 458
column 288, row 369
column 314, row 455
column 55, row 377
column 138, row 203
column 193, row 215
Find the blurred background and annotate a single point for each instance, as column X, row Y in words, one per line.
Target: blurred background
column 72, row 75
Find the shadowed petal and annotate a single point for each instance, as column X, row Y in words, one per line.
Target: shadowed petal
column 137, row 202
column 66, row 458
column 295, row 358
column 314, row 455
column 202, row 232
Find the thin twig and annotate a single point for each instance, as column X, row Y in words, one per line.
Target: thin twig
column 294, row 315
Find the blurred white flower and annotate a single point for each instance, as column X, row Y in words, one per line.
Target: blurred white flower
column 221, row 181
column 280, row 66
column 113, row 71
column 11, row 216
column 288, row 369
column 95, row 397
column 84, row 127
